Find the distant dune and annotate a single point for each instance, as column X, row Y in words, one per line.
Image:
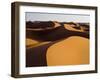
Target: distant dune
column 53, row 30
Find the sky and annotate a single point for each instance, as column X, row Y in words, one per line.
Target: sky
column 34, row 16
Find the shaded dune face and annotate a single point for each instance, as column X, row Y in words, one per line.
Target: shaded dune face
column 36, row 55
column 57, row 31
column 40, row 25
column 71, row 51
column 54, row 34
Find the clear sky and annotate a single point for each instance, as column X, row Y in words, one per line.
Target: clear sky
column 32, row 16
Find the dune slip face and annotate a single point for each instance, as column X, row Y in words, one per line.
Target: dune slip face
column 71, row 51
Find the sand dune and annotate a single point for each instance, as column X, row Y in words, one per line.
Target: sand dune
column 31, row 42
column 55, row 43
column 55, row 33
column 56, row 24
column 69, row 27
column 71, row 51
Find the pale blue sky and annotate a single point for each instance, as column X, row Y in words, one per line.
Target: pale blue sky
column 33, row 16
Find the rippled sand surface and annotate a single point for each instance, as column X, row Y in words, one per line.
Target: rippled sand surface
column 71, row 51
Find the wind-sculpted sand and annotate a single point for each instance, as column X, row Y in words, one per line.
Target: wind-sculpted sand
column 54, row 43
column 69, row 27
column 71, row 51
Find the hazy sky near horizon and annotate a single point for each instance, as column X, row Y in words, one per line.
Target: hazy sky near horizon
column 34, row 16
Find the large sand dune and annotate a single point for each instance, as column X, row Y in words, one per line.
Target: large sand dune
column 71, row 51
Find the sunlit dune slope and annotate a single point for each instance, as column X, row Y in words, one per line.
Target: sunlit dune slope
column 56, row 24
column 31, row 42
column 71, row 51
column 69, row 27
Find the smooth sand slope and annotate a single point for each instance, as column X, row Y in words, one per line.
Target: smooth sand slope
column 71, row 51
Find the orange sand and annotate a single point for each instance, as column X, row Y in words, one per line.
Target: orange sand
column 71, row 51
column 68, row 27
column 31, row 42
